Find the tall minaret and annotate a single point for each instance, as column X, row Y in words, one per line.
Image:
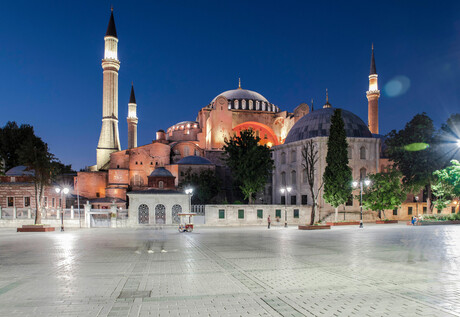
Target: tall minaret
column 132, row 120
column 109, row 141
column 373, row 95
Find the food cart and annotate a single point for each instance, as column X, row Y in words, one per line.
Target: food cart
column 186, row 223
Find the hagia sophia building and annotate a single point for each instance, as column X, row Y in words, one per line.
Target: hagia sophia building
column 197, row 144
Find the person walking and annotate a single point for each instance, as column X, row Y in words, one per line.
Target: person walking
column 269, row 221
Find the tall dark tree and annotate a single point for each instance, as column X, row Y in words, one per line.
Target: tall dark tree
column 206, row 185
column 310, row 158
column 337, row 175
column 12, row 137
column 250, row 162
column 35, row 154
column 412, row 150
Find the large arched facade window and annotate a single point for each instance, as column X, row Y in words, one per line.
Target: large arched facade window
column 293, row 178
column 143, row 214
column 362, row 153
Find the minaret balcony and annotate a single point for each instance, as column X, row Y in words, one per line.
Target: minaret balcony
column 373, row 92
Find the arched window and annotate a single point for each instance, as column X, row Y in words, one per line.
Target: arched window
column 293, row 178
column 160, row 214
column 237, row 105
column 229, row 105
column 263, row 106
column 186, row 151
column 257, row 105
column 362, row 173
column 143, row 214
column 176, row 210
column 161, row 184
column 283, row 178
column 283, row 158
column 350, row 153
column 293, row 156
column 250, row 104
column 243, row 104
column 362, row 153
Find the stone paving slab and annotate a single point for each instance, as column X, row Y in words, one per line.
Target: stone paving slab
column 390, row 270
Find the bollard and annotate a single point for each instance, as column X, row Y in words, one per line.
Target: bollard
column 72, row 212
column 0, row 212
column 29, row 213
column 15, row 211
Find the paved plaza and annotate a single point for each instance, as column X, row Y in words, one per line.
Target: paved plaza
column 381, row 270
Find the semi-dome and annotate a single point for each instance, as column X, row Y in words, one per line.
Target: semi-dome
column 318, row 123
column 161, row 172
column 194, row 160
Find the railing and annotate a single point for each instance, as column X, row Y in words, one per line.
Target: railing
column 199, row 209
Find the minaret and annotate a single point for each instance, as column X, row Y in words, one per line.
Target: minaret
column 327, row 104
column 373, row 95
column 132, row 120
column 109, row 140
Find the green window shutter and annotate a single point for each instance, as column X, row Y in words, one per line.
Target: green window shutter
column 260, row 213
column 296, row 213
column 278, row 213
column 221, row 213
column 240, row 213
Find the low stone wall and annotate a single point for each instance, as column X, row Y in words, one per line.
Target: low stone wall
column 248, row 215
column 68, row 223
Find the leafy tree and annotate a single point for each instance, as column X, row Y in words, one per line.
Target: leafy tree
column 12, row 137
column 35, row 154
column 448, row 138
column 206, row 184
column 337, row 175
column 250, row 162
column 446, row 184
column 384, row 192
column 310, row 158
column 412, row 150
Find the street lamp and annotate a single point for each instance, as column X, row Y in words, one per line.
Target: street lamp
column 355, row 184
column 63, row 191
column 416, row 205
column 285, row 190
column 189, row 191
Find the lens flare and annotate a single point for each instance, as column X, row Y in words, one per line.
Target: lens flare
column 413, row 147
column 397, row 86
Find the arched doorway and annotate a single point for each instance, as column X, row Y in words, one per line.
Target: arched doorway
column 160, row 214
column 143, row 214
column 176, row 210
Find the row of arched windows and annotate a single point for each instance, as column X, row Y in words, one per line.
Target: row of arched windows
column 293, row 155
column 160, row 214
column 252, row 105
column 293, row 176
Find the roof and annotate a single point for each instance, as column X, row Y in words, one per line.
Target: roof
column 373, row 70
column 111, row 30
column 194, row 160
column 20, row 170
column 241, row 94
column 318, row 123
column 161, row 172
column 132, row 97
column 157, row 191
column 107, row 200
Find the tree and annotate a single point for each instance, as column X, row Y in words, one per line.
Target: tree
column 12, row 137
column 310, row 158
column 446, row 185
column 448, row 138
column 206, row 184
column 385, row 192
column 35, row 154
column 412, row 150
column 337, row 175
column 250, row 162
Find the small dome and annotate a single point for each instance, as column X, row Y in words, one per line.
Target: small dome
column 161, row 172
column 318, row 123
column 241, row 94
column 20, row 170
column 194, row 160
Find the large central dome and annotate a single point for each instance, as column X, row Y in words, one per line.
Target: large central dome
column 318, row 123
column 242, row 94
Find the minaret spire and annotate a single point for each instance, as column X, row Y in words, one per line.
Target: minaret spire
column 312, row 109
column 109, row 140
column 373, row 95
column 132, row 120
column 239, row 83
column 327, row 104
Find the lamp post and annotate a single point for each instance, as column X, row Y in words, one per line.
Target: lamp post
column 285, row 190
column 355, row 184
column 189, row 191
column 63, row 191
column 416, row 205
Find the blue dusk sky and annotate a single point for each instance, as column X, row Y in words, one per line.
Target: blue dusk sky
column 181, row 54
